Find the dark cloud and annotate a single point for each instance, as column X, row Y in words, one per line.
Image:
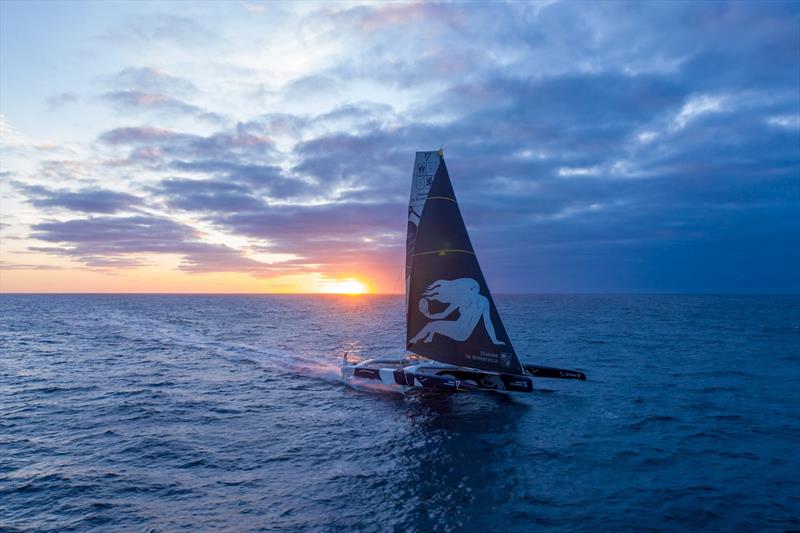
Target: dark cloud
column 208, row 196
column 372, row 113
column 357, row 162
column 242, row 157
column 294, row 224
column 237, row 145
column 136, row 135
column 268, row 180
column 335, row 238
column 331, row 234
column 117, row 235
column 238, row 156
column 110, row 242
column 86, row 200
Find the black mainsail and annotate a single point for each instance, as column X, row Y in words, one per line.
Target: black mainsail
column 451, row 316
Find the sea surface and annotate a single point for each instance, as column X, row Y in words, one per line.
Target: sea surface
column 166, row 413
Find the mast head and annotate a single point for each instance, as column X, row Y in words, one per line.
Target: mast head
column 441, row 151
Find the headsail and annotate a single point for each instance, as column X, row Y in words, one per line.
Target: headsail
column 451, row 315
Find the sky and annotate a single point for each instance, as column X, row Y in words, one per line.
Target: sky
column 268, row 147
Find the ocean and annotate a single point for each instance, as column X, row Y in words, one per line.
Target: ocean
column 165, row 413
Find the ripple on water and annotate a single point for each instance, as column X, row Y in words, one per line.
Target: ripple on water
column 227, row 412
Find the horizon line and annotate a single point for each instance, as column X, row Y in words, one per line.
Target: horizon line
column 554, row 293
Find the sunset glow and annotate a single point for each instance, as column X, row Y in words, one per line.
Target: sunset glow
column 348, row 286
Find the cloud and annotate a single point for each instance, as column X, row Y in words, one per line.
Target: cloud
column 220, row 258
column 203, row 196
column 291, row 224
column 696, row 107
column 10, row 137
column 577, row 171
column 402, row 15
column 239, row 155
column 243, row 156
column 785, row 121
column 152, row 80
column 86, row 200
column 237, row 144
column 5, row 265
column 253, row 7
column 158, row 29
column 267, row 179
column 315, row 85
column 514, row 139
column 68, row 169
column 598, row 140
column 60, row 100
column 287, row 124
column 116, row 235
column 115, row 242
column 136, row 135
column 130, row 99
column 320, row 236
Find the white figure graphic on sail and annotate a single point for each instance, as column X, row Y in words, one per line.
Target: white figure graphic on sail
column 460, row 294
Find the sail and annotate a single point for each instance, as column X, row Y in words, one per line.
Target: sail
column 425, row 165
column 451, row 315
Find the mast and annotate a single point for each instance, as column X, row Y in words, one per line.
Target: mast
column 451, row 315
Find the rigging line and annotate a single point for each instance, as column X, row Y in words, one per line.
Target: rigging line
column 441, row 198
column 444, row 252
column 397, row 279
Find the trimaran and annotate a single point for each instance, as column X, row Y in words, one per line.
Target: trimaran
column 451, row 318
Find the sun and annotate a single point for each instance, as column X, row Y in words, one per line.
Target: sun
column 346, row 286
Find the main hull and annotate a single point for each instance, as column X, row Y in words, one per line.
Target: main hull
column 405, row 375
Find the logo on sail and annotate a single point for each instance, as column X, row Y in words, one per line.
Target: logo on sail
column 462, row 295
